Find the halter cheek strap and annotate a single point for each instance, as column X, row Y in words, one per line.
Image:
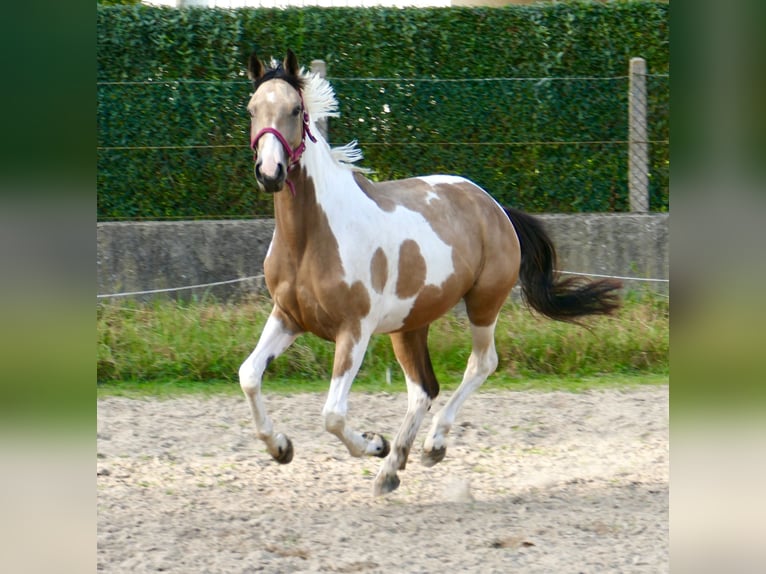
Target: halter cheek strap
column 294, row 155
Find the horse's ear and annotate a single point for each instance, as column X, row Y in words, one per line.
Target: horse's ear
column 290, row 63
column 254, row 67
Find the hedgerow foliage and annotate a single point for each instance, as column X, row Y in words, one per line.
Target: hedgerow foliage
column 433, row 100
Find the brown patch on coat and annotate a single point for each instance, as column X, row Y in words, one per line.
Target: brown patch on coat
column 379, row 270
column 343, row 359
column 411, row 350
column 304, row 273
column 381, row 200
column 411, row 274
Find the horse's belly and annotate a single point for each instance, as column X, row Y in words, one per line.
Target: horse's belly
column 393, row 314
column 414, row 312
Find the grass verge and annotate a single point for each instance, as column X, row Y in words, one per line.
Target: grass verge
column 200, row 345
column 178, row 388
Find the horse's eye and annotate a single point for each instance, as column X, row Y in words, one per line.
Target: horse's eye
column 297, row 111
column 251, row 112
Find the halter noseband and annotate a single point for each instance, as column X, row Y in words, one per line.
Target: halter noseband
column 294, row 155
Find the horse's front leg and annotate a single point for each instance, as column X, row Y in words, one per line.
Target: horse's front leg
column 277, row 335
column 349, row 352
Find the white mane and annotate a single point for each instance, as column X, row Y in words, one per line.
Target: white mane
column 320, row 102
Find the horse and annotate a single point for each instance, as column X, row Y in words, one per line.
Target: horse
column 350, row 258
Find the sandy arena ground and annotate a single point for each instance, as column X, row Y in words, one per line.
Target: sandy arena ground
column 532, row 482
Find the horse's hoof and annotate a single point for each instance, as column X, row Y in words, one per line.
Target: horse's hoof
column 285, row 454
column 382, row 448
column 433, row 456
column 389, row 483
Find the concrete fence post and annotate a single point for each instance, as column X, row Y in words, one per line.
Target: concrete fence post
column 638, row 144
column 320, row 67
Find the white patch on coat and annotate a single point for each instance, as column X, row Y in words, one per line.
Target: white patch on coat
column 361, row 227
column 438, row 179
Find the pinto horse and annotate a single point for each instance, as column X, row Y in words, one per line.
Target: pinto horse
column 351, row 258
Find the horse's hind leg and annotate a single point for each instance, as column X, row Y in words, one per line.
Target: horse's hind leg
column 481, row 364
column 275, row 338
column 412, row 353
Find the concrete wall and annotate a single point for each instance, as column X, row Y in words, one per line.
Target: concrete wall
column 140, row 256
column 632, row 245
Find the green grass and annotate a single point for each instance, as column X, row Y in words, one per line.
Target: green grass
column 197, row 347
column 177, row 388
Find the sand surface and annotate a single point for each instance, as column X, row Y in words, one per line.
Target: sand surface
column 532, row 482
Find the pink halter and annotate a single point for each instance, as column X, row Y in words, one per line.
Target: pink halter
column 293, row 154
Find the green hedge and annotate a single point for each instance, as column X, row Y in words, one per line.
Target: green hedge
column 170, row 77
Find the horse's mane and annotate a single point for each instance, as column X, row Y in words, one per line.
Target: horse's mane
column 277, row 71
column 319, row 99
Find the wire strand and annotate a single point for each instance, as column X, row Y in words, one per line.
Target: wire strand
column 374, row 144
column 252, row 277
column 244, row 81
column 615, row 277
column 169, row 289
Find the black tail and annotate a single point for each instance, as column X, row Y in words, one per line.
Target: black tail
column 543, row 288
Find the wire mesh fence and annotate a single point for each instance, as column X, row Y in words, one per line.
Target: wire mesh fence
column 179, row 149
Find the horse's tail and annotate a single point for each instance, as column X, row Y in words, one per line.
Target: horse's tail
column 544, row 289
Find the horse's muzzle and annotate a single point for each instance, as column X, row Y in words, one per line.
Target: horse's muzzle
column 271, row 183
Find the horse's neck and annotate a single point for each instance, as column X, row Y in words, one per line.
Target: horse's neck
column 293, row 213
column 320, row 184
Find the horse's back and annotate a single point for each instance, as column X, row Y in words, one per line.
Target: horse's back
column 464, row 233
column 449, row 204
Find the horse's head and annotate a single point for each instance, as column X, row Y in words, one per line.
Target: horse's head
column 279, row 122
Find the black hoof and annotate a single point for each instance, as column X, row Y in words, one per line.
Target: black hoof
column 285, row 455
column 430, row 458
column 384, row 447
column 384, row 450
column 388, row 484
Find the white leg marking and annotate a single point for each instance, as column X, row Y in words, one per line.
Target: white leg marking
column 273, row 342
column 336, row 406
column 417, row 406
column 481, row 364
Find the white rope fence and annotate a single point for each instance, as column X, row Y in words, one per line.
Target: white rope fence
column 254, row 277
column 614, row 277
column 169, row 289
